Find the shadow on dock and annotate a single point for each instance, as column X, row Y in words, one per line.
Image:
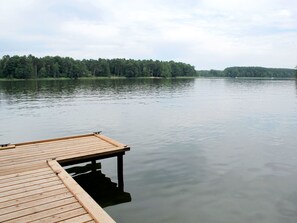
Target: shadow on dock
column 98, row 185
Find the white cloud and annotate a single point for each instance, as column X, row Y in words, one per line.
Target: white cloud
column 207, row 33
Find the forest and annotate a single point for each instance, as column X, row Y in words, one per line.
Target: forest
column 31, row 67
column 249, row 72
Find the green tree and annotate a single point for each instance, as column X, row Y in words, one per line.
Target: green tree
column 166, row 70
column 3, row 64
column 42, row 72
column 55, row 70
column 103, row 68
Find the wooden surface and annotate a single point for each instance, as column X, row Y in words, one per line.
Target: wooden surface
column 35, row 188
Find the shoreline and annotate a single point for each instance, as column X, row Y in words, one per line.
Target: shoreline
column 95, row 78
column 149, row 78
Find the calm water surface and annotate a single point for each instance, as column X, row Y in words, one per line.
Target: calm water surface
column 203, row 150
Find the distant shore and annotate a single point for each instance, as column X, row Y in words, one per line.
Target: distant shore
column 146, row 78
column 94, row 78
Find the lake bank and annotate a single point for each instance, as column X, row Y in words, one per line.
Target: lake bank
column 95, row 78
column 146, row 78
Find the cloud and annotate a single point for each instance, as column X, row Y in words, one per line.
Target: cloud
column 210, row 34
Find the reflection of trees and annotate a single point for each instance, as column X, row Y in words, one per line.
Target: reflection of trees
column 99, row 187
column 70, row 88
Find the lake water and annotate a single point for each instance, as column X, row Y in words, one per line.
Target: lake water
column 202, row 150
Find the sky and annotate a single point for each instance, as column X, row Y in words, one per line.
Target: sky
column 209, row 34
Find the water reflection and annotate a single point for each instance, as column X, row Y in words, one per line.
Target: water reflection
column 98, row 185
column 64, row 88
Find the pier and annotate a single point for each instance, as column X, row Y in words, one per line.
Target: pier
column 34, row 187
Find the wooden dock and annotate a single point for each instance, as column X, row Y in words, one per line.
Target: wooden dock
column 34, row 187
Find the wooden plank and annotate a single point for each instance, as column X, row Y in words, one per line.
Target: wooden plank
column 46, row 213
column 8, row 146
column 51, row 145
column 29, row 188
column 79, row 219
column 59, row 142
column 51, row 151
column 89, row 154
column 64, row 216
column 111, row 141
column 63, row 156
column 19, row 152
column 36, row 209
column 30, row 193
column 97, row 213
column 50, row 154
column 28, row 179
column 41, row 200
column 13, row 176
column 27, row 184
column 48, row 192
column 54, row 139
column 22, row 168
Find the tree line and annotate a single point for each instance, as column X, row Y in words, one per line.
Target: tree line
column 249, row 72
column 31, row 67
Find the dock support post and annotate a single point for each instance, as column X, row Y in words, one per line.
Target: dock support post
column 94, row 165
column 120, row 171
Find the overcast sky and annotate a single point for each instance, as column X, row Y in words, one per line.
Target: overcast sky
column 209, row 34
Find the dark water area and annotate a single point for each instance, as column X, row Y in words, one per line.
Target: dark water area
column 202, row 150
column 98, row 185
